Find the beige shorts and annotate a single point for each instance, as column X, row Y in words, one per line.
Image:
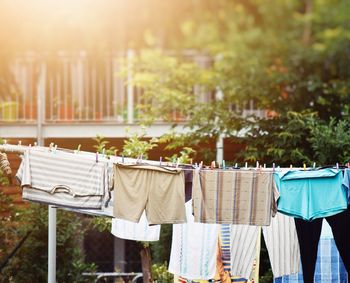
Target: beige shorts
column 158, row 190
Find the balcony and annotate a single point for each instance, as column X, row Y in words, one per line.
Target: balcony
column 76, row 96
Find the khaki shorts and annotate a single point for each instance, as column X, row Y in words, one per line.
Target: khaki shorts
column 158, row 190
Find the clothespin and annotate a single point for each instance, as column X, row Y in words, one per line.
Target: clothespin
column 260, row 169
column 122, row 158
column 96, row 157
column 246, row 165
column 30, row 145
column 115, row 152
column 223, row 165
column 212, row 165
column 50, row 146
column 304, row 166
column 291, row 166
column 201, row 164
column 160, row 161
column 55, row 148
column 191, row 161
column 177, row 162
column 257, row 165
column 79, row 147
column 264, row 165
column 35, row 144
column 103, row 151
column 273, row 167
column 5, row 141
column 19, row 142
column 337, row 165
column 314, row 165
column 236, row 165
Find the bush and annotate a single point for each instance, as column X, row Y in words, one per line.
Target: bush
column 30, row 263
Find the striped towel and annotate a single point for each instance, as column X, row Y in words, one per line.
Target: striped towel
column 63, row 179
column 234, row 197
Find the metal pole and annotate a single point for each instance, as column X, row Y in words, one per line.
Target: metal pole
column 220, row 140
column 130, row 87
column 51, row 274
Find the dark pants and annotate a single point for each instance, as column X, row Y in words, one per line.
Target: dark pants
column 309, row 234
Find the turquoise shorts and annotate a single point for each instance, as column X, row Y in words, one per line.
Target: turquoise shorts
column 311, row 194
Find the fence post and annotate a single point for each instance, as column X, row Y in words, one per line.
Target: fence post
column 130, row 87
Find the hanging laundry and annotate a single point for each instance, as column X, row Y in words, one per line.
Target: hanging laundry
column 141, row 231
column 329, row 265
column 311, row 194
column 63, row 179
column 193, row 249
column 346, row 183
column 281, row 242
column 234, row 197
column 158, row 190
column 309, row 234
column 225, row 237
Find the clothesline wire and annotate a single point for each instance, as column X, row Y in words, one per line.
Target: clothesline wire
column 22, row 148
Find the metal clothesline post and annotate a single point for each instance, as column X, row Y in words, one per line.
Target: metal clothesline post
column 52, row 217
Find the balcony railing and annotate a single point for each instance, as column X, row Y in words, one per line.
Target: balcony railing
column 77, row 88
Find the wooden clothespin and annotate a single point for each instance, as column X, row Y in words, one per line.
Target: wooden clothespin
column 291, row 166
column 79, row 147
